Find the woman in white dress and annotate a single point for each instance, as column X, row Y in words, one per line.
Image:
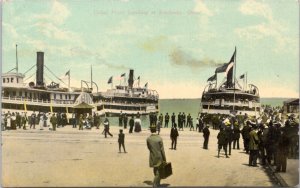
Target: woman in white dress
column 41, row 123
column 48, row 119
column 8, row 118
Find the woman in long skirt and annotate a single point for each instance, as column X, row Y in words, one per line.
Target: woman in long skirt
column 41, row 123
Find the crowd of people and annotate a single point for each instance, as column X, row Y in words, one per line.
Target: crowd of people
column 270, row 138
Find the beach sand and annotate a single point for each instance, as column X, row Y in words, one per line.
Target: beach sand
column 69, row 157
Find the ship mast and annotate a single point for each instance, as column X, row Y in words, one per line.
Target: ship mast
column 92, row 77
column 17, row 66
column 234, row 79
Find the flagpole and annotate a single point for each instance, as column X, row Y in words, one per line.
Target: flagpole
column 17, row 66
column 92, row 78
column 234, row 78
column 246, row 80
column 69, row 80
column 216, row 81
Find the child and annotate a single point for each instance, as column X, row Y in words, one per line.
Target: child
column 121, row 141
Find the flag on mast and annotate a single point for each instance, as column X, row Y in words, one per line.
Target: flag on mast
column 227, row 66
column 212, row 78
column 242, row 76
column 146, row 85
column 122, row 75
column 110, row 80
column 67, row 73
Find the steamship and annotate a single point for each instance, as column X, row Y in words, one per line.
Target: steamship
column 229, row 97
column 127, row 99
column 40, row 97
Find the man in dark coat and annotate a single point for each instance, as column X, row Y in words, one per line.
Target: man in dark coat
column 173, row 135
column 222, row 142
column 188, row 119
column 206, row 134
column 53, row 121
column 131, row 124
column 120, row 119
column 18, row 120
column 253, row 147
column 167, row 119
column 271, row 143
column 121, row 141
column 183, row 120
column 245, row 135
column 179, row 121
column 173, row 117
column 236, row 135
column 125, row 120
column 282, row 152
column 32, row 120
column 157, row 154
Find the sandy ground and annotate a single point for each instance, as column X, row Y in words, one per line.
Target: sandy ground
column 69, row 157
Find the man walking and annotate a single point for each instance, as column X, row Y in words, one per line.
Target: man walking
column 222, row 142
column 206, row 134
column 106, row 128
column 157, row 154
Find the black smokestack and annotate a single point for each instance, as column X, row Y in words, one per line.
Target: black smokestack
column 130, row 79
column 40, row 69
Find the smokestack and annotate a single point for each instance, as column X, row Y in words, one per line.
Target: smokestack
column 40, row 69
column 130, row 79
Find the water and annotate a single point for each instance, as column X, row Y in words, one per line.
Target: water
column 191, row 106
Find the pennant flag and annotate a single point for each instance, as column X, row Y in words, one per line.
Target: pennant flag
column 110, row 80
column 212, row 78
column 67, row 73
column 138, row 78
column 226, row 66
column 122, row 75
column 146, row 85
column 242, row 76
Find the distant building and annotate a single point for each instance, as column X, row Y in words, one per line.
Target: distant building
column 291, row 106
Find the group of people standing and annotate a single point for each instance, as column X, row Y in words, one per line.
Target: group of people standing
column 265, row 138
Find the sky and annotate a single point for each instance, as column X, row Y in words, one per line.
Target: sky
column 174, row 45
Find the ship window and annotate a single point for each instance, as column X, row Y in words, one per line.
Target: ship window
column 25, row 94
column 30, row 95
column 3, row 80
column 60, row 96
column 7, row 80
column 66, row 96
column 69, row 96
column 14, row 93
column 17, row 80
column 54, row 96
column 11, row 80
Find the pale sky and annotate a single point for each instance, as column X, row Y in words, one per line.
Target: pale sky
column 174, row 45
